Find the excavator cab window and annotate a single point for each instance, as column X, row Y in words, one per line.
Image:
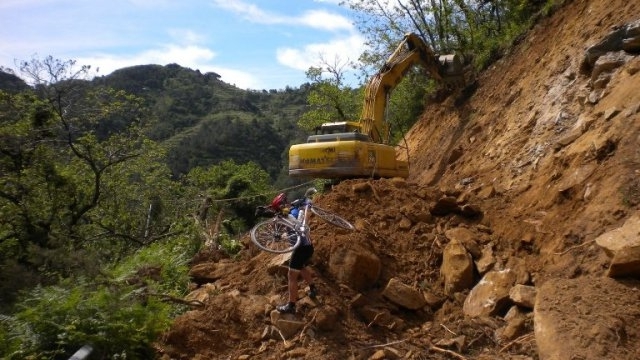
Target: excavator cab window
column 338, row 131
column 337, row 127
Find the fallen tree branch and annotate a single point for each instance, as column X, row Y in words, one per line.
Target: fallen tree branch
column 445, row 351
column 575, row 247
column 374, row 319
column 383, row 345
column 516, row 341
column 446, row 328
column 169, row 298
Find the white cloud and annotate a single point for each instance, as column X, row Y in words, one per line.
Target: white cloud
column 346, row 49
column 317, row 19
column 320, row 19
column 186, row 36
column 249, row 11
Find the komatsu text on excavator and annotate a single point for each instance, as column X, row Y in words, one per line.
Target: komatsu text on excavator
column 353, row 149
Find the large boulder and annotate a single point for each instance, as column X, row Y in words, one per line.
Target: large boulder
column 404, row 295
column 587, row 318
column 490, row 297
column 355, row 267
column 456, row 268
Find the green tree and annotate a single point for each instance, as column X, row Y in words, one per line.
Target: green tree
column 65, row 151
column 329, row 99
column 233, row 188
column 482, row 28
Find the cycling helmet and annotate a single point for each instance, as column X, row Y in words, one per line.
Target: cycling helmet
column 279, row 201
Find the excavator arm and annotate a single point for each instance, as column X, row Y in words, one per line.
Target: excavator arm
column 361, row 149
column 411, row 50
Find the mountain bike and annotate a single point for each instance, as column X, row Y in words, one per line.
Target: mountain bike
column 282, row 234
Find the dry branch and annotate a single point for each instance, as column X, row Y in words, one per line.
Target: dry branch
column 445, row 351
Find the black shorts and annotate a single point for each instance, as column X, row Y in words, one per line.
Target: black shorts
column 300, row 257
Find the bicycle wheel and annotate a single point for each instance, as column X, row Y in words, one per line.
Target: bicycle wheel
column 332, row 218
column 275, row 235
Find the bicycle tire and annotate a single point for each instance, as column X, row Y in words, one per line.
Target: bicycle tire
column 273, row 235
column 332, row 218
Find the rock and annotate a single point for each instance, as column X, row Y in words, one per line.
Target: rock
column 576, row 177
column 362, row 187
column 470, row 211
column 513, row 312
column 356, row 267
column 211, row 271
column 458, row 342
column 270, row 332
column 586, row 318
column 358, row 301
column 326, row 318
column 433, row 300
column 622, row 38
column 625, row 263
column 399, row 183
column 202, row 293
column 486, row 260
column 444, row 206
column 625, row 237
column 519, row 268
column 608, row 63
column 278, row 264
column 456, row 268
column 523, row 295
column 403, row 295
column 467, row 238
column 490, row 296
column 487, row 192
column 513, row 329
column 380, row 317
column 287, row 324
column 405, row 223
column 296, row 353
column 611, row 113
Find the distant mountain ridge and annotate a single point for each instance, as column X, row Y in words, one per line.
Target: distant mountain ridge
column 204, row 120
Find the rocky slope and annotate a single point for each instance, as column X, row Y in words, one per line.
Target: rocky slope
column 515, row 237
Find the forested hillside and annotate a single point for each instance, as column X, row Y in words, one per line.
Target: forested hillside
column 108, row 178
column 202, row 120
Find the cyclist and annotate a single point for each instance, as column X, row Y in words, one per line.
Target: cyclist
column 300, row 256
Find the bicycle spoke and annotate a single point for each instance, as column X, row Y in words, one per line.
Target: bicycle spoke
column 275, row 235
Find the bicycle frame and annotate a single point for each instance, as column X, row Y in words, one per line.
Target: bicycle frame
column 275, row 234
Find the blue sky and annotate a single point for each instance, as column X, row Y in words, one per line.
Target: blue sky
column 253, row 44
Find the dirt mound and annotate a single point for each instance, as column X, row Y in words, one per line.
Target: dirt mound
column 526, row 173
column 395, row 222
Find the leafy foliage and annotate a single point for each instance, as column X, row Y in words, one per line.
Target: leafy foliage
column 232, row 188
column 484, row 29
column 119, row 316
column 329, row 100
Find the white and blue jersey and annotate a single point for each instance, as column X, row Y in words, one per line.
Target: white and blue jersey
column 296, row 214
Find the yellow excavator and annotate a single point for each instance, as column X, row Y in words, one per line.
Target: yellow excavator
column 354, row 149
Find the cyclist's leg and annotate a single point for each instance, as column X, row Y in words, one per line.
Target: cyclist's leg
column 299, row 259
